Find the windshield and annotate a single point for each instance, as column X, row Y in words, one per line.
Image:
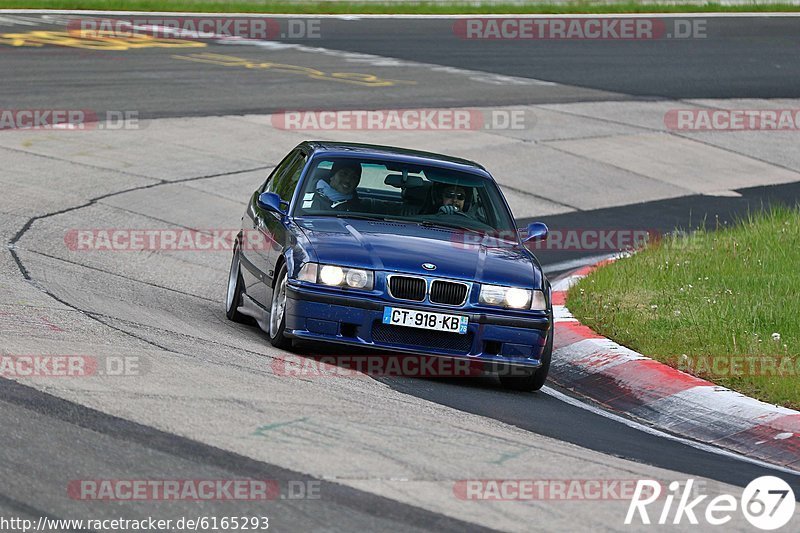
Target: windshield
column 362, row 188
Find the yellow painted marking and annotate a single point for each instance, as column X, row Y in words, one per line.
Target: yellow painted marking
column 95, row 41
column 354, row 78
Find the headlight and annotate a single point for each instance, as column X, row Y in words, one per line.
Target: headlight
column 512, row 297
column 358, row 279
column 331, row 275
column 336, row 276
column 518, row 298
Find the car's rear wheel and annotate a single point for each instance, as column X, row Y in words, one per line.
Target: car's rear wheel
column 233, row 298
column 277, row 314
column 534, row 379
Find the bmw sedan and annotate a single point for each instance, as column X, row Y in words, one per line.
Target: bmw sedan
column 396, row 250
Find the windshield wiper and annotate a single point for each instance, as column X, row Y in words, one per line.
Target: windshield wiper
column 372, row 217
column 358, row 217
column 424, row 223
column 432, row 224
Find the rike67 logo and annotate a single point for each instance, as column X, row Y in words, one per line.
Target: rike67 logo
column 768, row 503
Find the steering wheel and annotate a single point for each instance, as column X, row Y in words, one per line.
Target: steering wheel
column 453, row 210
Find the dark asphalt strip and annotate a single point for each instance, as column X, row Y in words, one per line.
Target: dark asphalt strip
column 685, row 213
column 734, row 57
column 383, row 510
column 551, row 417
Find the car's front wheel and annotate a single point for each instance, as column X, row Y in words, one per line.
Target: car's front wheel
column 534, row 379
column 233, row 298
column 277, row 314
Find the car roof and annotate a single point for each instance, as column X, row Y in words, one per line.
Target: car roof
column 394, row 154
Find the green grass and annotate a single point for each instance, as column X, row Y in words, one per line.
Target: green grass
column 693, row 299
column 401, row 6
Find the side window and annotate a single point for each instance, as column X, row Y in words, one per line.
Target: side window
column 286, row 182
column 269, row 185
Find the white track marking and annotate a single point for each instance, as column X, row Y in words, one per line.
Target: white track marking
column 575, row 263
column 387, row 61
column 657, row 433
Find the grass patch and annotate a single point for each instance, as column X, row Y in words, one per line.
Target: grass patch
column 398, row 7
column 710, row 303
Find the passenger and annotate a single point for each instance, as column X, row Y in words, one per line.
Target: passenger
column 340, row 194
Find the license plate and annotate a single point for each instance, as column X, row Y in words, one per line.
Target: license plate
column 425, row 320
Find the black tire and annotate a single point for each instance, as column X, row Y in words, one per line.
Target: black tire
column 277, row 322
column 233, row 298
column 535, row 379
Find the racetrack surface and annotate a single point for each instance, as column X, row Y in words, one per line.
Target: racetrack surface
column 209, row 405
column 735, row 57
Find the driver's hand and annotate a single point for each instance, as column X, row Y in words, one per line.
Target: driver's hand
column 448, row 209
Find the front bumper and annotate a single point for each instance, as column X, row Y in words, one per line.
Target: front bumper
column 357, row 321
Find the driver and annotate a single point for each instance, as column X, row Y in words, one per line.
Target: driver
column 452, row 199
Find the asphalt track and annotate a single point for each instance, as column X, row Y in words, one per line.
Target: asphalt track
column 737, row 58
column 53, row 434
column 708, row 67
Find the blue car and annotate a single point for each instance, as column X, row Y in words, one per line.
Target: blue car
column 396, row 250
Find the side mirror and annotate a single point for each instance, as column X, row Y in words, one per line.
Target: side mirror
column 270, row 201
column 537, row 231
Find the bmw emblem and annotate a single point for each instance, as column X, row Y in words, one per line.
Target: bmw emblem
column 428, row 266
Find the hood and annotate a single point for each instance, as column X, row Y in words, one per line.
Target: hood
column 399, row 247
